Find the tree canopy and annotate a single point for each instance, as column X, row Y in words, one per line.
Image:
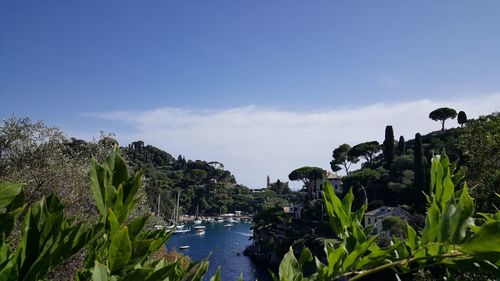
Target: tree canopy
column 401, row 146
column 306, row 174
column 462, row 118
column 442, row 114
column 342, row 159
column 366, row 149
column 389, row 149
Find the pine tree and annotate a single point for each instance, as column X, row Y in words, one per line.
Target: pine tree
column 389, row 148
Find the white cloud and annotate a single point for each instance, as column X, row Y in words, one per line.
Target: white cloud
column 254, row 142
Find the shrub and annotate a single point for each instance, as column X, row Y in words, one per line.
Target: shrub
column 117, row 245
column 453, row 236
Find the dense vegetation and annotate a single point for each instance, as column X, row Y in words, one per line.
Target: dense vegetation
column 403, row 181
column 118, row 248
column 453, row 236
column 203, row 185
column 88, row 237
column 395, row 174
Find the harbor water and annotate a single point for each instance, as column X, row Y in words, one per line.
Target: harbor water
column 224, row 247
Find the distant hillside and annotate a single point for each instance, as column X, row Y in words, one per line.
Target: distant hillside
column 202, row 184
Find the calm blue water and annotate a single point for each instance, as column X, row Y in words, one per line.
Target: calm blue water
column 224, row 244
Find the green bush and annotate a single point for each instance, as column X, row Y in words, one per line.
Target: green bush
column 453, row 236
column 117, row 247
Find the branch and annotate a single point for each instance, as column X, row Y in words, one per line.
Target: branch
column 363, row 274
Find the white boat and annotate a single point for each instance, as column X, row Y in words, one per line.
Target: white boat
column 220, row 220
column 200, row 227
column 184, row 247
column 197, row 219
column 181, row 231
column 200, row 232
column 229, row 225
column 178, row 228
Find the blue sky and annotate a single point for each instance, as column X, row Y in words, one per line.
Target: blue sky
column 77, row 63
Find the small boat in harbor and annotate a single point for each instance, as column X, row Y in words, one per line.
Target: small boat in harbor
column 184, row 247
column 197, row 219
column 229, row 225
column 200, row 229
column 182, row 231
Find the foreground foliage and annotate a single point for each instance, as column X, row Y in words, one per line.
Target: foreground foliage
column 117, row 247
column 453, row 236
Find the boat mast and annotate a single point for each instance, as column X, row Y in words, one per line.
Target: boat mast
column 158, row 210
column 177, row 215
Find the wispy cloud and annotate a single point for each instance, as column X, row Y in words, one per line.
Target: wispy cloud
column 254, row 142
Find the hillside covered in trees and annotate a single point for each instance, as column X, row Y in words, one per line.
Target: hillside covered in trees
column 47, row 161
column 203, row 185
column 395, row 172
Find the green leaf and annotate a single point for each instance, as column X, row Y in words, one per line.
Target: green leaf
column 305, row 257
column 335, row 258
column 100, row 272
column 347, row 202
column 118, row 167
column 487, row 239
column 358, row 251
column 448, row 190
column 120, row 250
column 136, row 226
column 140, row 250
column 8, row 192
column 288, row 266
column 411, row 240
column 113, row 222
column 337, row 216
column 462, row 218
column 432, row 224
column 97, row 175
column 216, row 277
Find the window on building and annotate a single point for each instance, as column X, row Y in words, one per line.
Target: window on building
column 369, row 220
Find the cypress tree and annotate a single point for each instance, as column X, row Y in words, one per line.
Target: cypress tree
column 462, row 118
column 401, row 146
column 389, row 149
column 418, row 169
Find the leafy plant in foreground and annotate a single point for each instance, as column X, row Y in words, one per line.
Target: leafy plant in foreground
column 116, row 248
column 453, row 236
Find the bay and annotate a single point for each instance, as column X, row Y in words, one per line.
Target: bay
column 221, row 245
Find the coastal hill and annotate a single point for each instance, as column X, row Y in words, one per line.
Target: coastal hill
column 203, row 185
